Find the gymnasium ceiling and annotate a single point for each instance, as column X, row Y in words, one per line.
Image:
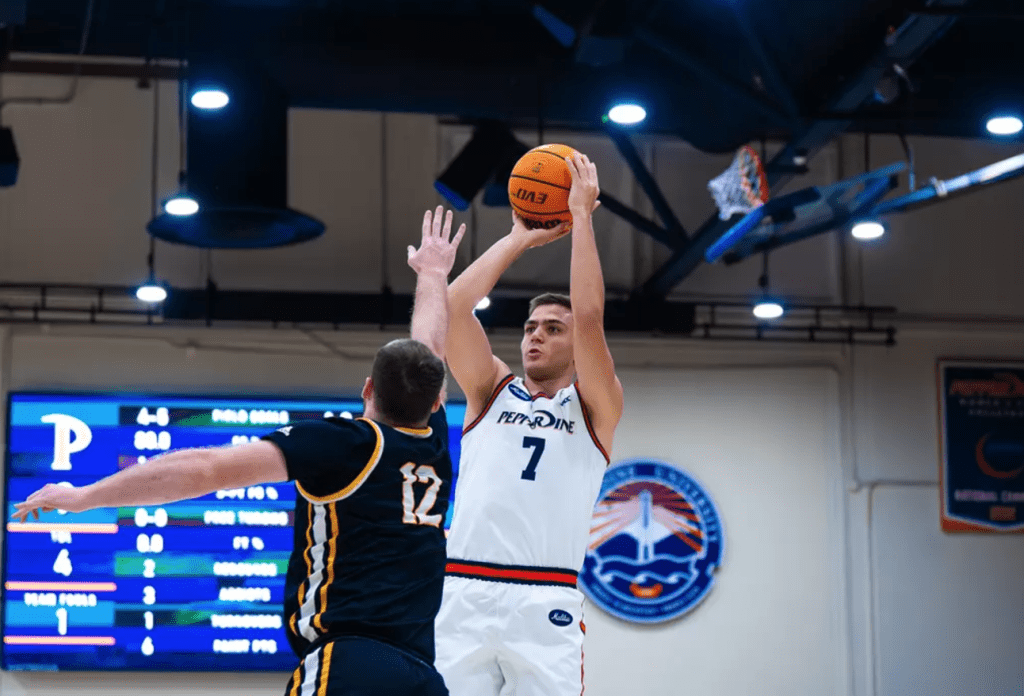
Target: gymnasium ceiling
column 716, row 73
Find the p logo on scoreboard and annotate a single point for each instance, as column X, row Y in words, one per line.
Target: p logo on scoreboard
column 655, row 543
column 70, row 435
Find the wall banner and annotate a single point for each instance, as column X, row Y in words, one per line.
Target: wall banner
column 981, row 448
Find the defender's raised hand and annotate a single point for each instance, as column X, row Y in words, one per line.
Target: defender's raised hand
column 437, row 250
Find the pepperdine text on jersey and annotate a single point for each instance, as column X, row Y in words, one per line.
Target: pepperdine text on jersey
column 537, row 419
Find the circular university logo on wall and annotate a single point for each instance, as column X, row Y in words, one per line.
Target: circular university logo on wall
column 655, row 542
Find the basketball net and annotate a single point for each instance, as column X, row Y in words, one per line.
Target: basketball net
column 742, row 187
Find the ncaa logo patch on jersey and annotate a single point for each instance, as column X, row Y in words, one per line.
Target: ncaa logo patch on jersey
column 655, row 543
column 519, row 393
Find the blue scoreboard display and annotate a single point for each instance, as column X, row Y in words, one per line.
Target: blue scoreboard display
column 192, row 586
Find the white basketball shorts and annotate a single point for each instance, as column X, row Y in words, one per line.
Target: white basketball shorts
column 510, row 639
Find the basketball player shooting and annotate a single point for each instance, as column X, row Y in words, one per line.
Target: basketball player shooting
column 366, row 574
column 534, row 453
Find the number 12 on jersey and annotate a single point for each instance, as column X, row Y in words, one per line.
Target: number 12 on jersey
column 420, row 514
column 537, row 445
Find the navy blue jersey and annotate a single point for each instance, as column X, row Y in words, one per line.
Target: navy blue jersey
column 369, row 554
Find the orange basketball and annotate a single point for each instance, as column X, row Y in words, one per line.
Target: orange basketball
column 539, row 186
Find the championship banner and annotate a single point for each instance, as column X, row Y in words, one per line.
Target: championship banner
column 981, row 413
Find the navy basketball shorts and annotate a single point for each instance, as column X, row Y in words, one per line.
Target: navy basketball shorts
column 355, row 666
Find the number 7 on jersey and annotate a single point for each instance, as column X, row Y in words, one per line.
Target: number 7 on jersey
column 537, row 444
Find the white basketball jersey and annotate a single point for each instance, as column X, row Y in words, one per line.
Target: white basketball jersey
column 529, row 475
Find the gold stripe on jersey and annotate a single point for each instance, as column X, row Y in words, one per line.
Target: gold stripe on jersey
column 358, row 481
column 332, row 552
column 296, row 680
column 307, row 556
column 416, row 432
column 325, row 669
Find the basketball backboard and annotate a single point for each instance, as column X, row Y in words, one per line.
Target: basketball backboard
column 803, row 214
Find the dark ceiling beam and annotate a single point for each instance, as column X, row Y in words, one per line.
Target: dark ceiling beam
column 648, row 227
column 969, row 12
column 468, row 91
column 737, row 90
column 903, row 46
column 674, row 232
column 585, row 28
column 81, row 303
column 131, row 70
column 394, row 309
column 774, row 83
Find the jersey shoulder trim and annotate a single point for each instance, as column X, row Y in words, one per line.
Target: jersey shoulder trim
column 422, row 433
column 590, row 427
column 490, row 402
column 351, row 488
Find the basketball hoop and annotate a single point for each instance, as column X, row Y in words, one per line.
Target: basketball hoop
column 742, row 187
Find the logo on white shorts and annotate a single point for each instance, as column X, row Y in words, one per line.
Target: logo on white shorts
column 560, row 618
column 655, row 542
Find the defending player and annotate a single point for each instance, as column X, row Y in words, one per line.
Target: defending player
column 365, row 577
column 534, row 453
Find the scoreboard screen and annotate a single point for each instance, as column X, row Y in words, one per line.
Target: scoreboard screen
column 191, row 586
